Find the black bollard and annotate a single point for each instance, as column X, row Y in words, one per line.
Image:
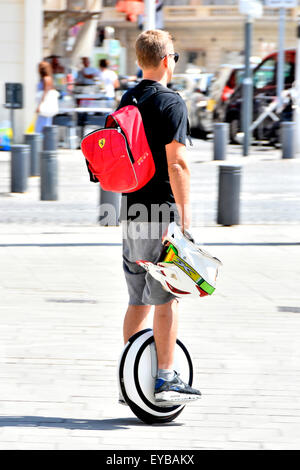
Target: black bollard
column 49, row 175
column 287, row 134
column 221, row 137
column 35, row 143
column 19, row 168
column 229, row 194
column 50, row 137
column 109, row 208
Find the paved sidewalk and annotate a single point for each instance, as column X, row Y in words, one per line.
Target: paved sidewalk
column 63, row 298
column 62, row 303
column 270, row 189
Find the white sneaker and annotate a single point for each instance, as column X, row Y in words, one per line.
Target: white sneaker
column 174, row 392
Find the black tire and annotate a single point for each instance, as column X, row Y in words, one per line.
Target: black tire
column 146, row 417
column 234, row 129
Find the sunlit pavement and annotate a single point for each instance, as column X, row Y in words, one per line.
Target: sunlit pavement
column 63, row 298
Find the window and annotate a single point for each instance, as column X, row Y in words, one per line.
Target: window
column 289, row 72
column 265, row 75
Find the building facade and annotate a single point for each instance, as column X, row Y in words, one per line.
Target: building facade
column 207, row 33
column 21, row 30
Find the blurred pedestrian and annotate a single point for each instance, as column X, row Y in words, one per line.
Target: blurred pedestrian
column 59, row 73
column 56, row 65
column 87, row 75
column 109, row 78
column 45, row 85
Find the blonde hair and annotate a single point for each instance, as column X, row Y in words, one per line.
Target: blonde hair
column 151, row 46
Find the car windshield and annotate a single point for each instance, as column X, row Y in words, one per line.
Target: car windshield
column 265, row 74
column 239, row 76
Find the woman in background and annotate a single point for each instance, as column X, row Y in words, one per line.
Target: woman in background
column 46, row 83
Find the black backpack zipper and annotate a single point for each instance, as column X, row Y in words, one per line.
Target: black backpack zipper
column 120, row 130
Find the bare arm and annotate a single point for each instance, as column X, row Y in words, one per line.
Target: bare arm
column 179, row 175
column 89, row 75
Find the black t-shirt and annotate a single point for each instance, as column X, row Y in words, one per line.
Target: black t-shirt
column 165, row 119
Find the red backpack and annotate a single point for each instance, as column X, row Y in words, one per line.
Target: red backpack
column 119, row 156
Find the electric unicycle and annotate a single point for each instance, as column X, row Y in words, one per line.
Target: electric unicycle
column 137, row 373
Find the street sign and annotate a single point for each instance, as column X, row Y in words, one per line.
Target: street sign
column 281, row 3
column 251, row 8
column 13, row 95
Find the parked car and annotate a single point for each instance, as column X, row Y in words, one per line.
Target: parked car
column 194, row 89
column 184, row 83
column 228, row 79
column 200, row 107
column 264, row 92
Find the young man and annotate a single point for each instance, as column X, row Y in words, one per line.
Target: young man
column 165, row 120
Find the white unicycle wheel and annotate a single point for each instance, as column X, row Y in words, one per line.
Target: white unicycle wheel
column 137, row 372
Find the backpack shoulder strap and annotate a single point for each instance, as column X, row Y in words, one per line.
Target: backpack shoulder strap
column 153, row 90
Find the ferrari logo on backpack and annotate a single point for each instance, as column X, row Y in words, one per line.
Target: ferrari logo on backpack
column 101, row 143
column 124, row 162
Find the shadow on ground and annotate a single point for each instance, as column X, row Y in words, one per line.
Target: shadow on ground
column 67, row 423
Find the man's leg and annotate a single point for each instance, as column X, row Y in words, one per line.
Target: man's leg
column 165, row 328
column 135, row 320
column 169, row 388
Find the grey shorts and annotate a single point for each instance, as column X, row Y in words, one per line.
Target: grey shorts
column 142, row 240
